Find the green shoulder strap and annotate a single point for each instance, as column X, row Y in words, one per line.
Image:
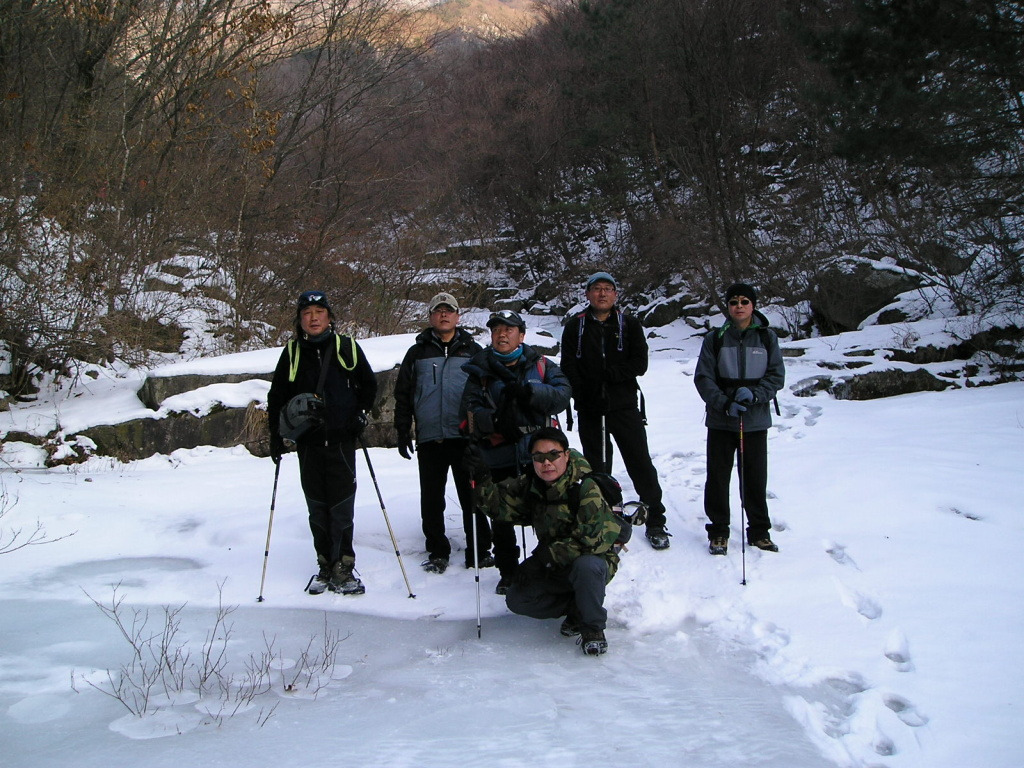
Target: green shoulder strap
column 355, row 352
column 294, row 351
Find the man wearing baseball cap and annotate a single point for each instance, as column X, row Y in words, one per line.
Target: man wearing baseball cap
column 428, row 391
column 334, row 368
column 603, row 352
column 512, row 391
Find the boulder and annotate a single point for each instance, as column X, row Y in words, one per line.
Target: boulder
column 888, row 383
column 156, row 389
column 844, row 299
column 222, row 427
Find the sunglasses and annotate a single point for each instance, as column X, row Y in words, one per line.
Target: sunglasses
column 540, row 458
column 738, row 302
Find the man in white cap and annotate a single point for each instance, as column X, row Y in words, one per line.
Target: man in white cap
column 603, row 352
column 428, row 391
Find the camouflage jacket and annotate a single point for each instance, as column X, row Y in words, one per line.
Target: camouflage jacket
column 526, row 500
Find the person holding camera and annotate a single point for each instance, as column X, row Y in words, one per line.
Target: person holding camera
column 512, row 391
column 322, row 387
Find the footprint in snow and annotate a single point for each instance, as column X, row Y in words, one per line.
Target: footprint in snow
column 838, row 553
column 963, row 514
column 906, row 711
column 897, row 650
column 813, row 411
column 863, row 604
column 790, row 411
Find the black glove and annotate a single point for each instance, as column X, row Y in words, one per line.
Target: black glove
column 483, row 423
column 743, row 395
column 524, row 394
column 405, row 447
column 276, row 448
column 356, row 424
column 475, row 465
column 513, row 390
column 734, row 409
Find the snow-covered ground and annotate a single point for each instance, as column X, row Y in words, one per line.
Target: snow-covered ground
column 882, row 633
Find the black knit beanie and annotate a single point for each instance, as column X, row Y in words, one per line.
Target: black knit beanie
column 741, row 289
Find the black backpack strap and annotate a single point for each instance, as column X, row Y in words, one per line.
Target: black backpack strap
column 323, row 376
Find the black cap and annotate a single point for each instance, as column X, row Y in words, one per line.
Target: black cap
column 312, row 299
column 741, row 289
column 506, row 317
column 548, row 433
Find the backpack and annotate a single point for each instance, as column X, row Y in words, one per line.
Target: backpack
column 626, row 514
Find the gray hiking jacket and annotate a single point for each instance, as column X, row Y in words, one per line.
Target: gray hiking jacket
column 430, row 384
column 730, row 359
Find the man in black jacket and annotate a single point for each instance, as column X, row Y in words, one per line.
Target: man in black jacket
column 603, row 352
column 429, row 391
column 333, row 366
column 512, row 391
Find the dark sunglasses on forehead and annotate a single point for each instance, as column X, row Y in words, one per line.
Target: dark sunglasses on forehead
column 540, row 458
column 738, row 302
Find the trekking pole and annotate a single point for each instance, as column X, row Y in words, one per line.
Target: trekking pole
column 743, row 509
column 270, row 525
column 394, row 541
column 476, row 562
column 604, row 445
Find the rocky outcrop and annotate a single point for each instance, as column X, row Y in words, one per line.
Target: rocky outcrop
column 844, row 299
column 156, row 389
column 223, row 427
column 873, row 385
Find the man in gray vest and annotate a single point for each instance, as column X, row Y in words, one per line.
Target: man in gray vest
column 739, row 370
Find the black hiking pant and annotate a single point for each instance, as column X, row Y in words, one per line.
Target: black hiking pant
column 328, row 477
column 723, row 453
column 435, row 459
column 506, row 550
column 548, row 594
column 627, row 427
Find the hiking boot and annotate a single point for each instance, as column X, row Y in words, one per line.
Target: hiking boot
column 435, row 564
column 658, row 536
column 318, row 583
column 503, row 585
column 570, row 627
column 718, row 546
column 592, row 641
column 485, row 562
column 765, row 543
column 343, row 580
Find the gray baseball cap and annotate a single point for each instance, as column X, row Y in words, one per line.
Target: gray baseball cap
column 443, row 298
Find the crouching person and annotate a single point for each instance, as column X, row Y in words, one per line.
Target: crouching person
column 568, row 571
